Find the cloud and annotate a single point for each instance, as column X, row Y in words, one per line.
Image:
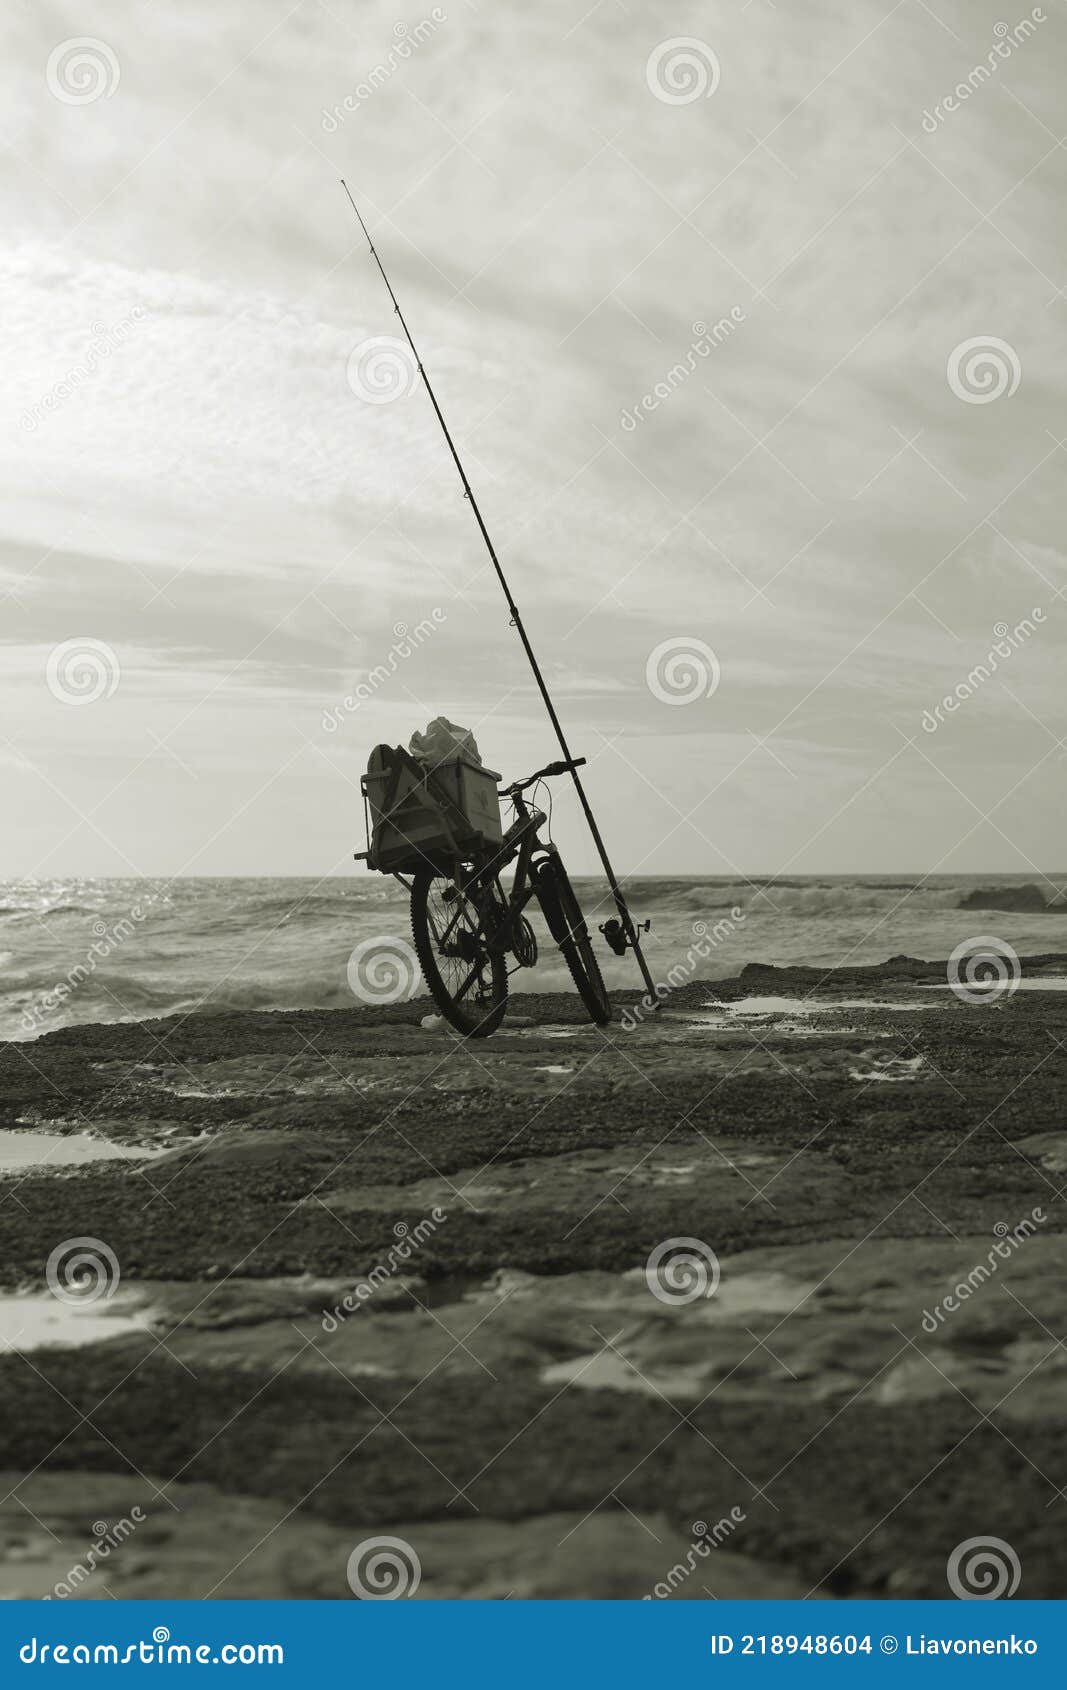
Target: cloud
column 189, row 473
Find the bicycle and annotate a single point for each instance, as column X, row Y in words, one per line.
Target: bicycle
column 467, row 929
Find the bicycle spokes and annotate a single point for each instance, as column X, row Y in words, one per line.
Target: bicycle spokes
column 463, row 956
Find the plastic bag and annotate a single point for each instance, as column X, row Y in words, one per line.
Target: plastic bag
column 444, row 742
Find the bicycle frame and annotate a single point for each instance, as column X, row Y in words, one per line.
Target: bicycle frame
column 520, row 845
column 468, row 929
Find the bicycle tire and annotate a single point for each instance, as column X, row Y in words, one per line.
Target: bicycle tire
column 567, row 925
column 477, row 1012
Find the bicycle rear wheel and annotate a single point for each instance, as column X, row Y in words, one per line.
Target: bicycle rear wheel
column 566, row 923
column 468, row 983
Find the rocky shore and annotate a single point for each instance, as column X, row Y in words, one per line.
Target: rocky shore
column 361, row 1279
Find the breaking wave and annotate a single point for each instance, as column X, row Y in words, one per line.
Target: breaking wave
column 826, row 897
column 74, row 953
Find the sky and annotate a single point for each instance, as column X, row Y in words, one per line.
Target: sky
column 750, row 332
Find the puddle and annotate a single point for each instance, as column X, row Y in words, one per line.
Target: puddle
column 38, row 1150
column 610, row 1371
column 525, row 1029
column 214, row 1093
column 890, row 1068
column 746, row 1007
column 553, row 1068
column 768, row 1023
column 761, row 1291
column 37, row 1319
column 650, row 1172
column 660, row 1173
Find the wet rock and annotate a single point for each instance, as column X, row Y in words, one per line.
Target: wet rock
column 844, row 1214
column 814, row 1323
column 212, row 1543
column 606, row 1555
column 725, row 1169
column 238, row 1147
column 90, row 1536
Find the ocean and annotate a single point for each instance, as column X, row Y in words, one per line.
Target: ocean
column 77, row 951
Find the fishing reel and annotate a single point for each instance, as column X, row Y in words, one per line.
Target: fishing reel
column 617, row 937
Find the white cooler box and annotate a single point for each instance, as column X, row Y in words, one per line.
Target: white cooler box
column 419, row 818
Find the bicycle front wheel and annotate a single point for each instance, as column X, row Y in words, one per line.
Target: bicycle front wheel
column 566, row 923
column 468, row 982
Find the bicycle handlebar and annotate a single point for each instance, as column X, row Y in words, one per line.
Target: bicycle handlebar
column 560, row 768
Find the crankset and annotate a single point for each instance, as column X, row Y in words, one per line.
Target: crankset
column 524, row 943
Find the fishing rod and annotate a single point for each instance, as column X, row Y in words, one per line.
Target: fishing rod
column 630, row 936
